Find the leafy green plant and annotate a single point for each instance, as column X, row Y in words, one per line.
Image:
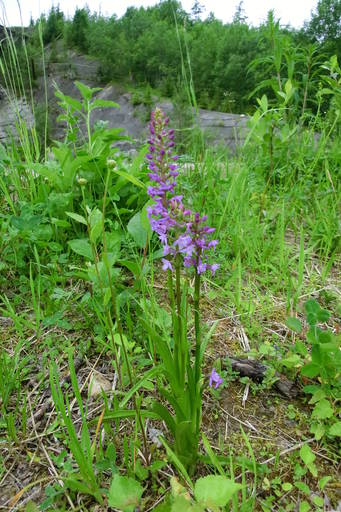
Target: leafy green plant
column 324, row 366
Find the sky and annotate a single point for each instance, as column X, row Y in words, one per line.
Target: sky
column 293, row 12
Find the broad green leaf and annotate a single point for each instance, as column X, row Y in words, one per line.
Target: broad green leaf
column 181, row 504
column 304, row 507
column 313, row 469
column 294, row 324
column 72, row 102
column 318, row 501
column 322, row 410
column 164, row 506
column 96, row 231
column 215, row 490
column 323, row 315
column 86, row 91
column 76, row 217
column 315, row 313
column 130, row 177
column 107, row 296
column 317, row 396
column 113, row 239
column 325, row 338
column 49, row 170
column 311, row 306
column 293, row 361
column 96, row 224
column 326, row 91
column 95, row 217
column 124, row 493
column 132, row 266
column 323, row 481
column 145, row 221
column 186, row 441
column 81, row 246
column 137, row 231
column 104, row 104
column 60, row 223
column 335, row 429
column 301, row 349
column 307, row 455
column 318, row 429
column 312, row 388
column 303, row 487
column 288, row 86
column 310, row 370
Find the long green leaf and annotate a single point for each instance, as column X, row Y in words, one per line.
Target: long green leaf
column 131, row 178
column 214, row 459
column 148, row 375
column 130, row 413
column 165, row 415
column 176, row 461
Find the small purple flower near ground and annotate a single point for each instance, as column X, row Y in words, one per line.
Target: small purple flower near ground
column 215, row 378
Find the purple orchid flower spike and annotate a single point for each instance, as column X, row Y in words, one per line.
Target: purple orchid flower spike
column 180, row 231
column 215, row 379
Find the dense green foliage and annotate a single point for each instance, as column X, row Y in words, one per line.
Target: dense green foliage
column 161, row 45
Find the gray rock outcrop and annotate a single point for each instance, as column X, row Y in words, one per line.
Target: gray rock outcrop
column 218, row 128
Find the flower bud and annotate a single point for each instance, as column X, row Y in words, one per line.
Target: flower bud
column 111, row 163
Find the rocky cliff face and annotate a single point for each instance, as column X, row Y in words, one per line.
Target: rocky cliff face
column 219, row 128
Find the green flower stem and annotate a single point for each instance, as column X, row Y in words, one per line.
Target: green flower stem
column 197, row 327
column 171, row 291
column 179, row 342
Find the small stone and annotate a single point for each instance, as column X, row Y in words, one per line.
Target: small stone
column 97, row 384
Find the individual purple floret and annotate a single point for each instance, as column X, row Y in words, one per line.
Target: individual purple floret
column 215, row 379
